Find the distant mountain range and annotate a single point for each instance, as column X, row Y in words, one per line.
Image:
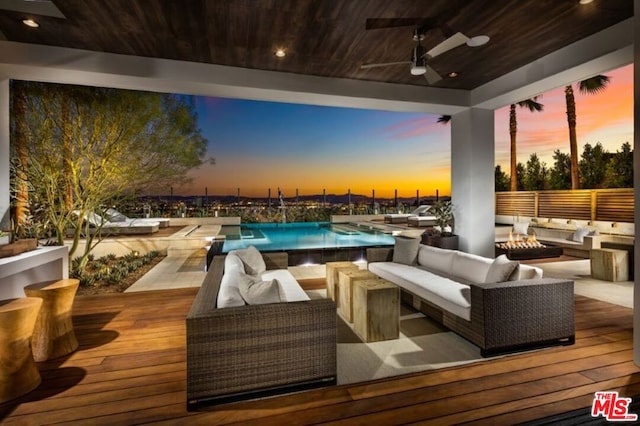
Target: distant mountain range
column 329, row 198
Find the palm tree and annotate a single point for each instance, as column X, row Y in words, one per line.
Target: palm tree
column 444, row 119
column 532, row 105
column 589, row 86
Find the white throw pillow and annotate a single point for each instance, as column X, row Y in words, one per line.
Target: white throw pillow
column 500, row 270
column 252, row 260
column 405, row 250
column 254, row 291
column 521, row 228
column 579, row 234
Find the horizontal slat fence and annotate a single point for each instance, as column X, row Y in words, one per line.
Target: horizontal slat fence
column 615, row 205
column 565, row 204
column 520, row 203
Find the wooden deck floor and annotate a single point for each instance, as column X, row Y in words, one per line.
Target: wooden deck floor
column 130, row 369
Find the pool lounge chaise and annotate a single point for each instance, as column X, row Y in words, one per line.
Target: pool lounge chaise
column 120, row 228
column 114, row 216
column 421, row 221
column 403, row 217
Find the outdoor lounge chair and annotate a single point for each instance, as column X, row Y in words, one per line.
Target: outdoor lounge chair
column 121, row 228
column 115, row 216
column 421, row 221
column 403, row 217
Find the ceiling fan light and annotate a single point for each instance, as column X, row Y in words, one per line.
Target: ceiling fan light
column 418, row 69
column 30, row 23
column 477, row 41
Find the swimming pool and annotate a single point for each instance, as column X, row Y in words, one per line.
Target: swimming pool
column 302, row 236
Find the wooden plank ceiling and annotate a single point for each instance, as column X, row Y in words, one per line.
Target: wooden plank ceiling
column 322, row 37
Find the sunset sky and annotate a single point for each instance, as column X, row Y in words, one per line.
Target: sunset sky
column 262, row 145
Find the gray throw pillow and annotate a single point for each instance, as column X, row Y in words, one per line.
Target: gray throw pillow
column 501, row 269
column 405, row 250
column 252, row 260
column 254, row 291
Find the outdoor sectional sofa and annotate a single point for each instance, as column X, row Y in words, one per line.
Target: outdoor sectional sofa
column 576, row 237
column 248, row 351
column 498, row 311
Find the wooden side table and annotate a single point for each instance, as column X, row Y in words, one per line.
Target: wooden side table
column 376, row 310
column 332, row 276
column 609, row 264
column 53, row 335
column 18, row 371
column 346, row 279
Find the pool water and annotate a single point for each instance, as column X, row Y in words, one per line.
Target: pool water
column 302, row 236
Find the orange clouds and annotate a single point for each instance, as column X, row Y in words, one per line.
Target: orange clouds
column 605, row 117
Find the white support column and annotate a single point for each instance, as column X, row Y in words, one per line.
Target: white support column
column 472, row 180
column 4, row 154
column 636, row 181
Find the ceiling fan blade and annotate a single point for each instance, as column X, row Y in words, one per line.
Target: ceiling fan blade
column 384, row 64
column 378, row 23
column 432, row 75
column 452, row 42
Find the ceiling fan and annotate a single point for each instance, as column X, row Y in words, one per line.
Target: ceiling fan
column 419, row 55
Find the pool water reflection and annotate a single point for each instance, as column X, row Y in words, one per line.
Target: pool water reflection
column 302, row 236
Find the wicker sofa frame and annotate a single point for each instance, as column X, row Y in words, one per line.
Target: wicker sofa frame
column 508, row 316
column 254, row 351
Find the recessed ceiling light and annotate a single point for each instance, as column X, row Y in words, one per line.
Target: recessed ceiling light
column 30, row 23
column 585, row 1
column 452, row 74
column 478, row 41
column 280, row 53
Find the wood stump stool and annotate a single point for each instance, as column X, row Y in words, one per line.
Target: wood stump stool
column 609, row 264
column 346, row 280
column 18, row 371
column 53, row 336
column 376, row 310
column 332, row 276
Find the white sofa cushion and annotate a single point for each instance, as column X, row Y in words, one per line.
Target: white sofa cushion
column 470, row 267
column 229, row 293
column 255, row 291
column 436, row 259
column 290, row 290
column 443, row 292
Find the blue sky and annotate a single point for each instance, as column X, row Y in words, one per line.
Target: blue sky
column 260, row 145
